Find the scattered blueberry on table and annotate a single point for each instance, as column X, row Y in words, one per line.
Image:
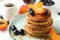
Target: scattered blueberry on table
column 22, row 32
column 13, row 27
column 17, row 32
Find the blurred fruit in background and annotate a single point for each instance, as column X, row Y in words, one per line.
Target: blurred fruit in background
column 23, row 9
column 29, row 1
column 48, row 2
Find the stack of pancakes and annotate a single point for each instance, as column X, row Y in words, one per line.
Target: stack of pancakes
column 38, row 25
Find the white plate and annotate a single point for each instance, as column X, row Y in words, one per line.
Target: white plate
column 19, row 22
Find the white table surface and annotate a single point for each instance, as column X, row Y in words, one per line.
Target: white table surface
column 4, row 35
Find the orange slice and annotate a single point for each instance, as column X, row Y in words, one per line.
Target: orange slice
column 53, row 35
column 39, row 4
column 31, row 6
column 39, row 10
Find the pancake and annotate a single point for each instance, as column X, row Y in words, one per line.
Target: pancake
column 35, row 31
column 34, row 34
column 37, row 36
column 40, row 28
column 39, row 23
column 39, row 17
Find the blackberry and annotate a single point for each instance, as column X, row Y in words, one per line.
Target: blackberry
column 31, row 12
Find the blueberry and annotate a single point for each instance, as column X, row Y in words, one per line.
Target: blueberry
column 43, row 0
column 16, row 32
column 32, row 1
column 8, row 22
column 1, row 17
column 49, row 0
column 46, row 4
column 13, row 27
column 21, row 31
column 31, row 12
column 46, row 12
column 51, row 3
column 29, row 1
column 59, row 13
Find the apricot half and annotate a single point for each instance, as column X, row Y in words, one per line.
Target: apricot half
column 3, row 24
column 23, row 9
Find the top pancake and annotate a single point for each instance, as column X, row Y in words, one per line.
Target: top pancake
column 39, row 17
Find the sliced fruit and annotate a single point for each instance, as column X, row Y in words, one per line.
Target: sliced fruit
column 53, row 34
column 39, row 4
column 31, row 6
column 39, row 10
column 3, row 24
column 23, row 9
